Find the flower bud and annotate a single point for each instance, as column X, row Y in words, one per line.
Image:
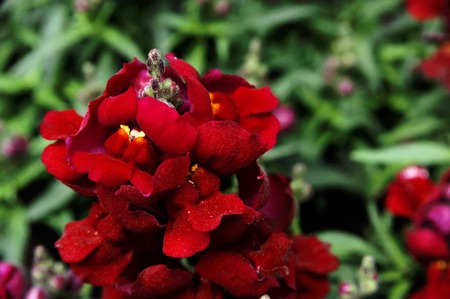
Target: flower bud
column 345, row 87
column 286, row 116
column 37, row 293
column 368, row 277
column 15, row 147
column 12, row 281
column 155, row 64
column 347, row 290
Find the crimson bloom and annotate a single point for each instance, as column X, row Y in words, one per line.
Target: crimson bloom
column 157, row 149
column 427, row 204
column 426, row 9
column 437, row 66
column 438, row 282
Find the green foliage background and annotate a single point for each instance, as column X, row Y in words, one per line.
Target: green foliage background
column 53, row 56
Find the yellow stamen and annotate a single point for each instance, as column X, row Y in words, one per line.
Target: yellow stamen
column 194, row 168
column 125, row 128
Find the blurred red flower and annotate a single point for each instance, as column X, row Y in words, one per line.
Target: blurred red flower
column 426, row 9
column 438, row 282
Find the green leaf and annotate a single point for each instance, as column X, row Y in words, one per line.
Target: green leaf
column 420, row 152
column 121, row 43
column 14, row 238
column 346, row 245
column 54, row 198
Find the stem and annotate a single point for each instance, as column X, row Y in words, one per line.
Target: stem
column 392, row 248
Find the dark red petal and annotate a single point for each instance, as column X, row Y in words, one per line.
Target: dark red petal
column 91, row 136
column 265, row 125
column 410, row 190
column 164, row 126
column 205, row 182
column 104, row 266
column 160, row 282
column 313, row 255
column 280, row 206
column 141, row 153
column 214, row 81
column 181, row 239
column 200, row 106
column 253, row 186
column 118, row 110
column 225, row 147
column 207, row 214
column 312, row 286
column 54, row 159
column 117, row 143
column 117, row 204
column 426, row 9
column 80, row 237
column 254, row 101
column 235, row 273
column 170, row 173
column 129, row 75
column 222, row 107
column 273, row 256
column 143, row 181
column 183, row 68
column 109, row 171
column 425, row 245
column 60, row 124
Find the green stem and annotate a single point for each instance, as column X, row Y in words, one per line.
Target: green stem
column 392, row 248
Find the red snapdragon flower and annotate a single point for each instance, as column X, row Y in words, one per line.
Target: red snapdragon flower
column 426, row 9
column 427, row 204
column 438, row 282
column 437, row 66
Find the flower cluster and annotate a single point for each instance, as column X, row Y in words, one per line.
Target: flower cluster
column 413, row 195
column 437, row 66
column 157, row 150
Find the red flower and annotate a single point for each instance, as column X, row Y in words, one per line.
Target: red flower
column 426, row 9
column 438, row 282
column 12, row 282
column 410, row 190
column 438, row 65
column 313, row 261
column 413, row 195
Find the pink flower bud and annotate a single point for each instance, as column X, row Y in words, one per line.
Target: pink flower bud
column 15, row 147
column 345, row 87
column 12, row 281
column 37, row 293
column 286, row 116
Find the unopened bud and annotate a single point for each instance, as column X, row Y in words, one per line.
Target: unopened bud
column 345, row 87
column 169, row 90
column 15, row 147
column 347, row 290
column 37, row 293
column 155, row 63
column 368, row 277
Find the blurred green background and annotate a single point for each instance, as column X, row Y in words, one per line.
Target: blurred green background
column 347, row 68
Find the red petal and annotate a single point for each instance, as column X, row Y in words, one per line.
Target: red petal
column 60, row 124
column 80, row 237
column 225, row 147
column 200, row 105
column 205, row 182
column 170, row 173
column 207, row 214
column 143, row 181
column 265, row 125
column 116, row 203
column 164, row 126
column 183, row 68
column 312, row 286
column 280, row 206
column 427, row 245
column 426, row 9
column 109, row 171
column 214, row 81
column 160, row 282
column 273, row 256
column 253, row 186
column 118, row 110
column 181, row 239
column 54, row 158
column 128, row 76
column 410, row 190
column 313, row 255
column 104, row 266
column 141, row 153
column 254, row 101
column 235, row 273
